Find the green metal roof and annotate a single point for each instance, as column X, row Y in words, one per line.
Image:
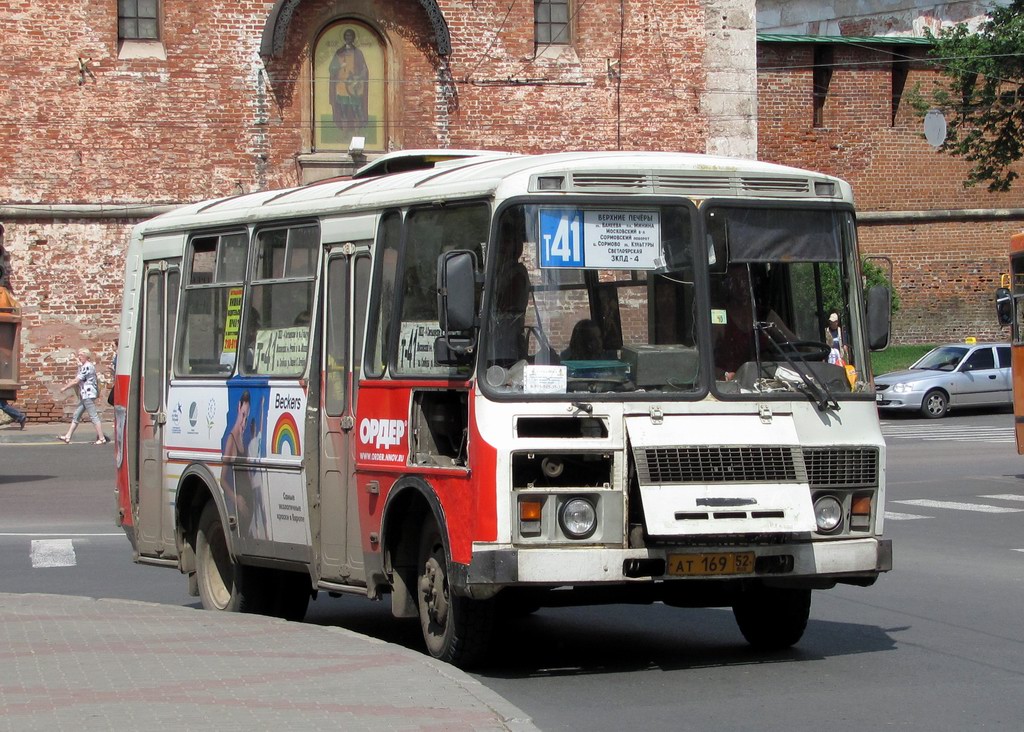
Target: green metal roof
column 853, row 40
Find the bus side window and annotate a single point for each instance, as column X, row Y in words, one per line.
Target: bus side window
column 430, row 232
column 278, row 317
column 211, row 305
column 378, row 334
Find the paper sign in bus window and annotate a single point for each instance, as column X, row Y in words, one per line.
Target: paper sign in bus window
column 599, row 239
column 232, row 320
column 281, row 351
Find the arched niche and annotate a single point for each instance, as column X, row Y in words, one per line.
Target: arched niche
column 276, row 28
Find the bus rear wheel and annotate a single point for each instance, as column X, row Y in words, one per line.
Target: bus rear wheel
column 223, row 584
column 291, row 593
column 456, row 629
column 772, row 618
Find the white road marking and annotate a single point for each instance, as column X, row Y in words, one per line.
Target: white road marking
column 1005, row 497
column 956, row 433
column 956, row 506
column 51, row 533
column 53, row 553
column 893, row 516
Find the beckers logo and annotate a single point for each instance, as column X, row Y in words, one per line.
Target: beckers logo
column 383, row 433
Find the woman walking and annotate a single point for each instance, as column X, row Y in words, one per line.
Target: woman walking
column 88, row 391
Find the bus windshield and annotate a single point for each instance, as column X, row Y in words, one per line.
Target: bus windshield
column 739, row 300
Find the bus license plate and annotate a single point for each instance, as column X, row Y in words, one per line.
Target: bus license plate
column 702, row 565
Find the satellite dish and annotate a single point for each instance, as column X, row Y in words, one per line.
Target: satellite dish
column 935, row 127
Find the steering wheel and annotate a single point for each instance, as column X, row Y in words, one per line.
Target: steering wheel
column 596, row 385
column 544, row 349
column 803, row 350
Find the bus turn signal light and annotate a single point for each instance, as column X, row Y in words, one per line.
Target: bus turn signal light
column 529, row 510
column 861, row 506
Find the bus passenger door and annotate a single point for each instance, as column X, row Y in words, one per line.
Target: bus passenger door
column 154, row 517
column 346, row 287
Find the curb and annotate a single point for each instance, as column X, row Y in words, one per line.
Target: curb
column 80, row 658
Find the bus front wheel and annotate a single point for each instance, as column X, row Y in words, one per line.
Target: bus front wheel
column 456, row 629
column 223, row 584
column 772, row 618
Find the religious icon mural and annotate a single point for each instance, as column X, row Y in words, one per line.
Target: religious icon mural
column 348, row 88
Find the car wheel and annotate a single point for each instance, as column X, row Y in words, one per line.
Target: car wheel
column 935, row 404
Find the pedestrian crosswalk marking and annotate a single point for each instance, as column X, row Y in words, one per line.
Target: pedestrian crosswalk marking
column 52, row 553
column 894, row 516
column 957, row 506
column 949, row 432
column 1005, row 497
column 51, row 533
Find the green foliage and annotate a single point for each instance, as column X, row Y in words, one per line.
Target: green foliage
column 983, row 94
column 895, row 358
column 873, row 275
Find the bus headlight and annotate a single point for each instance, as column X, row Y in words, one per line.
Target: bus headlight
column 828, row 513
column 578, row 518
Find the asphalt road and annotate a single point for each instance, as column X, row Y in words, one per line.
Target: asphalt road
column 938, row 644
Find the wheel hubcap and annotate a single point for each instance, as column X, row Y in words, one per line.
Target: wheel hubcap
column 219, row 571
column 433, row 592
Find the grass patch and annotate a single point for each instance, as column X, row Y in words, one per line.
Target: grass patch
column 895, row 358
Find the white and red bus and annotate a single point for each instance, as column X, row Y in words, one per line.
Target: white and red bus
column 507, row 381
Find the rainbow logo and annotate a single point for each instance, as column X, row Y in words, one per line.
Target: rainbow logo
column 286, row 433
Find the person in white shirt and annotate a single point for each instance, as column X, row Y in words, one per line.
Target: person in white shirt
column 88, row 390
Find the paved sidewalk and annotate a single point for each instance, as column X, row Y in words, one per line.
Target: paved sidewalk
column 47, row 432
column 77, row 663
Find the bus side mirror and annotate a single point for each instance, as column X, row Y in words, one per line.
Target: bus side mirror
column 1004, row 306
column 879, row 311
column 456, row 306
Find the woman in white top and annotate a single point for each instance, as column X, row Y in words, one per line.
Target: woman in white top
column 88, row 391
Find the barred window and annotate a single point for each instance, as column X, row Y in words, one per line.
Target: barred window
column 551, row 22
column 138, row 20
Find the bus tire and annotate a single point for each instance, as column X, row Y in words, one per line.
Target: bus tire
column 457, row 630
column 772, row 618
column 223, row 584
column 291, row 593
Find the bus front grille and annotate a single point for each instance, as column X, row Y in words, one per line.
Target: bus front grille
column 719, row 464
column 842, row 467
column 820, row 467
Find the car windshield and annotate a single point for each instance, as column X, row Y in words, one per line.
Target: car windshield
column 615, row 299
column 945, row 358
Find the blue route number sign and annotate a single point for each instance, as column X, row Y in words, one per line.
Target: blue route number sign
column 561, row 238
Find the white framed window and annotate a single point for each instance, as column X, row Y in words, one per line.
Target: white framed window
column 138, row 20
column 551, row 22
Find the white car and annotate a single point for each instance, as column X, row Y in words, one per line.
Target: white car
column 953, row 375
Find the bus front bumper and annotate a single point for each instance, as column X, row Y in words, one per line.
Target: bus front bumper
column 856, row 561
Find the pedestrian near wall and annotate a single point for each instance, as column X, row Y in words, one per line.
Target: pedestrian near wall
column 15, row 414
column 88, row 390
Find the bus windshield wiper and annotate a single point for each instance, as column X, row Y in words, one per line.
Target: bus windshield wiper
column 818, row 391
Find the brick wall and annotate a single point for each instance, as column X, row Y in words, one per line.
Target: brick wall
column 67, row 278
column 945, row 271
column 207, row 116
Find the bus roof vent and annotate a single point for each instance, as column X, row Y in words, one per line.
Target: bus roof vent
column 770, row 184
column 613, row 182
column 693, row 183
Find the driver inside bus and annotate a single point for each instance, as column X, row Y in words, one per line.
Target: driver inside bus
column 508, row 337
column 586, row 343
column 734, row 334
